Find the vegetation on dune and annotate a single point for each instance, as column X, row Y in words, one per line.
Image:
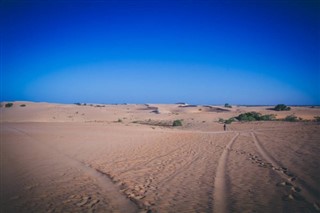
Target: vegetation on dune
column 281, row 107
column 229, row 121
column 8, row 105
column 317, row 118
column 227, row 105
column 22, row 105
column 221, row 120
column 255, row 116
column 159, row 123
column 119, row 120
column 291, row 118
column 249, row 116
column 177, row 123
column 268, row 117
column 85, row 104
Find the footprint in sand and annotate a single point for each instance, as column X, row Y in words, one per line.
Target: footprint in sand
column 294, row 196
column 295, row 189
column 294, row 192
column 93, row 202
column 30, row 187
column 288, row 173
column 291, row 179
column 83, row 201
column 285, row 184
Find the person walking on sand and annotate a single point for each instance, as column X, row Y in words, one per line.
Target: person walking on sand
column 225, row 127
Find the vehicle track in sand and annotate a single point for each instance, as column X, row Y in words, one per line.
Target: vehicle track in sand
column 220, row 203
column 299, row 189
column 112, row 193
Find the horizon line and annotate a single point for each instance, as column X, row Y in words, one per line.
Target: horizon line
column 176, row 103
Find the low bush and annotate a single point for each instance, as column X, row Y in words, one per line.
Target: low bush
column 281, row 107
column 255, row 116
column 269, row 117
column 229, row 121
column 22, row 105
column 227, row 105
column 317, row 118
column 291, row 118
column 249, row 116
column 177, row 123
column 221, row 120
column 8, row 105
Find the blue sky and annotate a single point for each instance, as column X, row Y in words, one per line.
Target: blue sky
column 152, row 51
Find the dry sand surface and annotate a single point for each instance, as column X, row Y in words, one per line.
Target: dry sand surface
column 126, row 158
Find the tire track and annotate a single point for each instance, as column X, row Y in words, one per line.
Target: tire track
column 298, row 186
column 263, row 152
column 107, row 186
column 220, row 186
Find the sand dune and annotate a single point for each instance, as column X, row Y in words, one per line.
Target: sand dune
column 118, row 158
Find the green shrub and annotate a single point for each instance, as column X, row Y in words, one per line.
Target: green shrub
column 317, row 118
column 269, row 117
column 119, row 120
column 249, row 116
column 227, row 105
column 255, row 116
column 229, row 121
column 79, row 104
column 281, row 107
column 8, row 105
column 221, row 120
column 22, row 105
column 291, row 118
column 177, row 123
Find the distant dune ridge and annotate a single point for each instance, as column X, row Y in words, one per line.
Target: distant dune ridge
column 130, row 158
column 37, row 112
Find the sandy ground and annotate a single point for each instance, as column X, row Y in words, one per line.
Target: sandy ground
column 126, row 158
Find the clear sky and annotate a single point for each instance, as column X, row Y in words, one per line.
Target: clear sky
column 161, row 51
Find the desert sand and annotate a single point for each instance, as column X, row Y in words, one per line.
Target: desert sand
column 128, row 158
